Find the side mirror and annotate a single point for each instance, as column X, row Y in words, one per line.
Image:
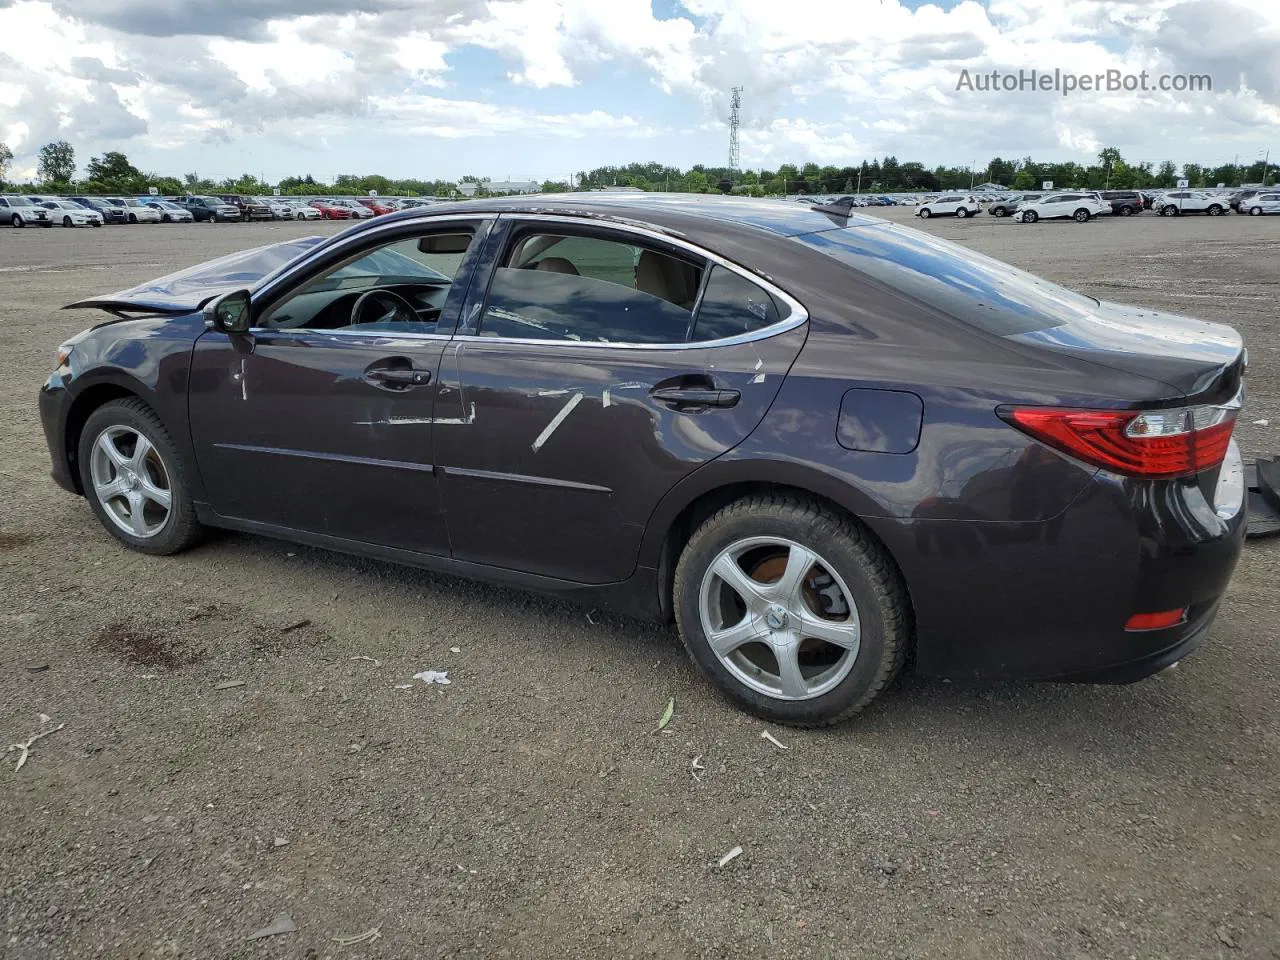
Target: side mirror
column 230, row 313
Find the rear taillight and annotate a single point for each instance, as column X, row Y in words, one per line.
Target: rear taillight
column 1151, row 444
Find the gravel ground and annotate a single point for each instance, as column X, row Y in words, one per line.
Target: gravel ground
column 529, row 809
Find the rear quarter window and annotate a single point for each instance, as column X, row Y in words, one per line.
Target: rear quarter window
column 974, row 289
column 732, row 305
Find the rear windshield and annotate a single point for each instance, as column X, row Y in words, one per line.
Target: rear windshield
column 969, row 286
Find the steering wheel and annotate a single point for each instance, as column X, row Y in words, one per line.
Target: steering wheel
column 398, row 309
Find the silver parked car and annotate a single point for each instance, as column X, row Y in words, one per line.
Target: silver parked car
column 18, row 211
column 1261, row 203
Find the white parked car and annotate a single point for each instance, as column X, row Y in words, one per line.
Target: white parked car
column 1261, row 203
column 170, row 212
column 17, row 211
column 136, row 211
column 1192, row 201
column 303, row 211
column 71, row 214
column 958, row 204
column 1080, row 206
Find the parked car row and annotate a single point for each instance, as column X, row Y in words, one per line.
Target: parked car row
column 20, row 210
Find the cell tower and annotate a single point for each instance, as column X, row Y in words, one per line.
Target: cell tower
column 735, row 103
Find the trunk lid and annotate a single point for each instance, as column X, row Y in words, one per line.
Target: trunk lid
column 192, row 288
column 1197, row 359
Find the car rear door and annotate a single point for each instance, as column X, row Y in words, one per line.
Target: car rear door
column 583, row 384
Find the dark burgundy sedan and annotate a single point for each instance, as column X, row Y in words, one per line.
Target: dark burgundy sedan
column 821, row 442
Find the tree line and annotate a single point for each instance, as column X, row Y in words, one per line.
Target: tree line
column 113, row 173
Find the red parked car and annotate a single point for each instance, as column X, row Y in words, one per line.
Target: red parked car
column 376, row 205
column 330, row 211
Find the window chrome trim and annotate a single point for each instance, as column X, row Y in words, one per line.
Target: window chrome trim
column 798, row 315
column 486, row 220
column 299, row 332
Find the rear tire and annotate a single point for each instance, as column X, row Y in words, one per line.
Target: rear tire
column 999, row 212
column 1081, row 216
column 1126, row 211
column 848, row 575
column 962, row 213
column 137, row 483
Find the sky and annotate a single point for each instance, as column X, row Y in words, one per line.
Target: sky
column 540, row 89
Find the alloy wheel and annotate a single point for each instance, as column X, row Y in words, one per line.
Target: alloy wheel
column 779, row 618
column 130, row 481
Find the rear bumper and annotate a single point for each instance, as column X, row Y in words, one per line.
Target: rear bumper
column 1048, row 600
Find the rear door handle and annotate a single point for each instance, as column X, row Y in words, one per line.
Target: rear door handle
column 681, row 397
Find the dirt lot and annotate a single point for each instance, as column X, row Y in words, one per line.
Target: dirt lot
column 528, row 809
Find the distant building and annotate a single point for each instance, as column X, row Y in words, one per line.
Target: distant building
column 468, row 188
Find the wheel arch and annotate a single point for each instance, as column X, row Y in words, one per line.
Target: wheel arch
column 86, row 400
column 684, row 509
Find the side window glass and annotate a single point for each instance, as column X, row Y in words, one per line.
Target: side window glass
column 590, row 289
column 413, row 276
column 732, row 305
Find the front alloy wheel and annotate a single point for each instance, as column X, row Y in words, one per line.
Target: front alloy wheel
column 133, row 478
column 791, row 609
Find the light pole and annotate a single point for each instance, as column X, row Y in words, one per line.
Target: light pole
column 972, row 173
column 859, row 180
column 1266, row 161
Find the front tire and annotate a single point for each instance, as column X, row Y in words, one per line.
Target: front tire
column 133, row 218
column 1030, row 216
column 135, row 480
column 17, row 221
column 66, row 221
column 1214, row 211
column 999, row 212
column 962, row 213
column 924, row 213
column 792, row 610
column 1255, row 211
column 1168, row 210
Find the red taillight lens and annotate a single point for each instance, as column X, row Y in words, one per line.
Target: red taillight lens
column 1156, row 621
column 1153, row 444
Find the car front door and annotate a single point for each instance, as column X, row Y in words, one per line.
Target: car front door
column 583, row 384
column 320, row 418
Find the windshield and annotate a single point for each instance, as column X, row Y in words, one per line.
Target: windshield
column 973, row 288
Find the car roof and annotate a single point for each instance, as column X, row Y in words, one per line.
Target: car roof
column 676, row 213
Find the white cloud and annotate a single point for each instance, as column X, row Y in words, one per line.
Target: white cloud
column 848, row 80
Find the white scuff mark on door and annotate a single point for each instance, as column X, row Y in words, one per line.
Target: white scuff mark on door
column 469, row 418
column 244, row 381
column 759, row 362
column 604, row 398
column 553, row 393
column 558, row 419
column 630, row 386
column 395, row 422
column 758, row 378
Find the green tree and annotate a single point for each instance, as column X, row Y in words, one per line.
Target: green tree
column 1167, row 175
column 554, row 186
column 1024, row 179
column 57, row 162
column 6, row 157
